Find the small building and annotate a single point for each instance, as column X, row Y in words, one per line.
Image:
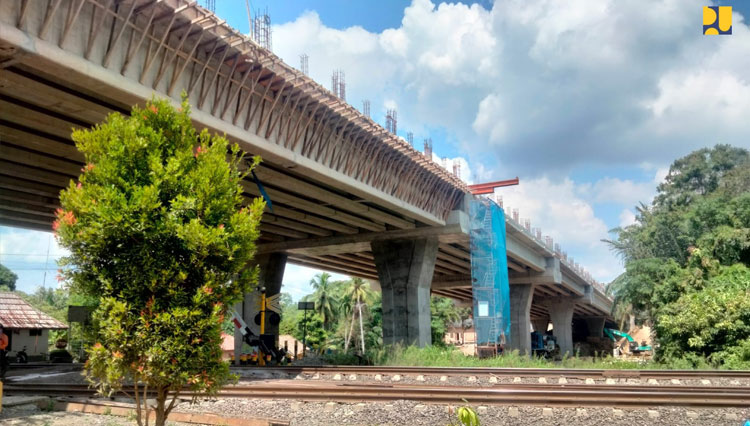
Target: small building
column 25, row 325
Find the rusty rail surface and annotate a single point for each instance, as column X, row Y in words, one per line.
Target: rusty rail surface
column 523, row 394
column 513, row 372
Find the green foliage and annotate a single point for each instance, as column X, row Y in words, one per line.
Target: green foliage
column 325, row 301
column 708, row 321
column 157, row 233
column 290, row 315
column 433, row 356
column 444, row 313
column 467, row 416
column 698, row 173
column 736, row 357
column 313, row 327
column 8, row 278
column 686, row 258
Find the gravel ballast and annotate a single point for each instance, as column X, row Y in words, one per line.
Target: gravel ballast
column 414, row 413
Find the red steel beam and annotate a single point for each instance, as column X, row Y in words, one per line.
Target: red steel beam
column 489, row 187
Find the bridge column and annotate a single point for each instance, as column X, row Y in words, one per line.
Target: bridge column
column 561, row 314
column 540, row 325
column 405, row 270
column 520, row 321
column 270, row 275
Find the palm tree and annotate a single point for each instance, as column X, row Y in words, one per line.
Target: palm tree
column 357, row 292
column 323, row 298
column 621, row 310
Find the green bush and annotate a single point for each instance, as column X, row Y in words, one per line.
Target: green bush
column 158, row 233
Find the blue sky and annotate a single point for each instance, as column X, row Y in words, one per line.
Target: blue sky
column 586, row 102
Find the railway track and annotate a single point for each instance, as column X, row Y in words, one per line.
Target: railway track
column 511, row 372
column 468, row 371
column 544, row 395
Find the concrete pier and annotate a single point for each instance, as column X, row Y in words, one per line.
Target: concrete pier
column 520, row 322
column 561, row 314
column 405, row 270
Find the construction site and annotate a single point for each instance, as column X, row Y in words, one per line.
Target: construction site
column 344, row 195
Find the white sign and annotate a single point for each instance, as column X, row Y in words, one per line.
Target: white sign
column 483, row 308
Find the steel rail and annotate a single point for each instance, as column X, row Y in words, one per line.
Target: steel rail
column 472, row 371
column 500, row 371
column 547, row 395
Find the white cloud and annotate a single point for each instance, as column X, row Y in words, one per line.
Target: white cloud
column 557, row 208
column 621, row 191
column 463, row 168
column 627, row 217
column 545, row 86
column 489, row 119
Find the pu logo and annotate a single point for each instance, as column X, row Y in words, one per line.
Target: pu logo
column 717, row 20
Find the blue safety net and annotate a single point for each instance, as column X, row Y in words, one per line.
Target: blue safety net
column 489, row 273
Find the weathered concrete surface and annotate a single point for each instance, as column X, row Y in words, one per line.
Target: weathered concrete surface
column 561, row 314
column 405, row 269
column 520, row 321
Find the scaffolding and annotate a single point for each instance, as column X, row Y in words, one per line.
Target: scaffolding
column 410, row 138
column 489, row 272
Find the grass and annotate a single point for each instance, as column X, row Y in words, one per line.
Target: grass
column 434, row 356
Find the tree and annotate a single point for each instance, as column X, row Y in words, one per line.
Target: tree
column 686, row 258
column 444, row 313
column 157, row 232
column 358, row 292
column 698, row 173
column 325, row 302
column 8, row 278
column 316, row 335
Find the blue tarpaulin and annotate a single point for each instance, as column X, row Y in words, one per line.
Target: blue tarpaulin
column 489, row 272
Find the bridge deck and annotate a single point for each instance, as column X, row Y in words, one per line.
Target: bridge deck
column 330, row 171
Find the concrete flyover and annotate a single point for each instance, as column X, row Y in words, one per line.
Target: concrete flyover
column 347, row 195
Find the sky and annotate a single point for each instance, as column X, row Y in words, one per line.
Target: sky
column 588, row 103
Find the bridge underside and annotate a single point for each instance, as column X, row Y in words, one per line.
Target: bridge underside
column 337, row 183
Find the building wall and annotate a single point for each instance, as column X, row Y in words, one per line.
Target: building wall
column 35, row 345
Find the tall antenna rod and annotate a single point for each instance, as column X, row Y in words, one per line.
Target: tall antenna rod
column 46, row 262
column 249, row 18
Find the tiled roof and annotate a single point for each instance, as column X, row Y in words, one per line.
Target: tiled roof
column 16, row 313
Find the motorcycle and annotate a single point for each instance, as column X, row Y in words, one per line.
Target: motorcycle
column 22, row 357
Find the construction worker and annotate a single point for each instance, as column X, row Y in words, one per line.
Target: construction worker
column 3, row 353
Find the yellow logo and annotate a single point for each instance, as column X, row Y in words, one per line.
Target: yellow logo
column 717, row 20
